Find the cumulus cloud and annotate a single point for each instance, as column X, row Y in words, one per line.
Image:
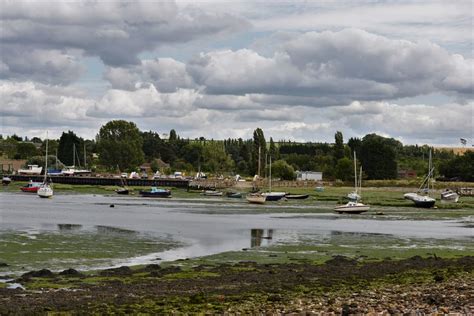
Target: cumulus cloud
column 419, row 122
column 146, row 101
column 337, row 66
column 166, row 74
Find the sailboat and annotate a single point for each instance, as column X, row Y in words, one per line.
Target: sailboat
column 354, row 206
column 72, row 171
column 272, row 196
column 422, row 197
column 45, row 190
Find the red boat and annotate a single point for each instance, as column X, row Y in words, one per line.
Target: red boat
column 31, row 187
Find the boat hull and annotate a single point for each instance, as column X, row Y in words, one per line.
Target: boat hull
column 164, row 194
column 352, row 208
column 45, row 192
column 297, row 196
column 122, row 191
column 256, row 199
column 274, row 196
column 424, row 204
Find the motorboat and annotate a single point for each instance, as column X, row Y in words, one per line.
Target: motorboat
column 156, row 192
column 256, row 198
column 31, row 187
column 449, row 196
column 46, row 189
column 31, row 170
column 422, row 197
column 354, row 206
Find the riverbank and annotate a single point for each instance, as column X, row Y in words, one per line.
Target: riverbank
column 339, row 286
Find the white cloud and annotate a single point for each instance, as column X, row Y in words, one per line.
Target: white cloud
column 146, row 101
column 338, row 66
column 166, row 74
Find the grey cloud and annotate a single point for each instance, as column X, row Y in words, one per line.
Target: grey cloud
column 115, row 31
column 46, row 66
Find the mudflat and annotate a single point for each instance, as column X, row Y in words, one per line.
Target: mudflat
column 341, row 286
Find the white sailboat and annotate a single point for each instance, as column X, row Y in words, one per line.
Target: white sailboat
column 45, row 190
column 422, row 197
column 354, row 206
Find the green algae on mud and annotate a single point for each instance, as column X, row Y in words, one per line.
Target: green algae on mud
column 71, row 245
column 248, row 287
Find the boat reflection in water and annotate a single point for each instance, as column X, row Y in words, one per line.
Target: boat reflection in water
column 259, row 235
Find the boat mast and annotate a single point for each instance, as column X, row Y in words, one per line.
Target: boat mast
column 46, row 160
column 85, row 164
column 259, row 159
column 73, row 154
column 270, row 174
column 430, row 167
column 355, row 172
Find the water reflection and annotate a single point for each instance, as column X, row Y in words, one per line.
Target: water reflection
column 259, row 235
column 69, row 227
column 114, row 230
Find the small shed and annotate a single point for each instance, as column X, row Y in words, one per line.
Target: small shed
column 309, row 175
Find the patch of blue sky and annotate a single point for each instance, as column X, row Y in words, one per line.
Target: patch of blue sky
column 92, row 79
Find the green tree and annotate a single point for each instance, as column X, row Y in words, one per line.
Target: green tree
column 378, row 157
column 338, row 147
column 259, row 145
column 215, row 159
column 461, row 167
column 70, row 149
column 173, row 136
column 281, row 169
column 120, row 144
column 344, row 169
column 273, row 150
column 26, row 150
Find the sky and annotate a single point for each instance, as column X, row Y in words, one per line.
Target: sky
column 300, row 70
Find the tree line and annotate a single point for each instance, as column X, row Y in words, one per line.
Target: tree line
column 121, row 146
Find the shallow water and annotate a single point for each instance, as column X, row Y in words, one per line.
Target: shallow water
column 83, row 231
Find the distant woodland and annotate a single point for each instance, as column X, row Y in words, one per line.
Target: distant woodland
column 121, row 146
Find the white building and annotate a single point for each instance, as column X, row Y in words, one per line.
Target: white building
column 309, row 175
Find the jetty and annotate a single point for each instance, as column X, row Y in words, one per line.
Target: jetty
column 87, row 180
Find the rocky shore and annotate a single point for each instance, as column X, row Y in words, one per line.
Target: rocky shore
column 415, row 286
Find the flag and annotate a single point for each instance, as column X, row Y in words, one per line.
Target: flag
column 463, row 141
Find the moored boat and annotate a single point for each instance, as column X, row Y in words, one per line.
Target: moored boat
column 122, row 191
column 31, row 187
column 32, row 170
column 274, row 196
column 235, row 195
column 156, row 192
column 352, row 208
column 296, row 196
column 212, row 193
column 449, row 196
column 6, row 180
column 422, row 197
column 46, row 189
column 256, row 198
